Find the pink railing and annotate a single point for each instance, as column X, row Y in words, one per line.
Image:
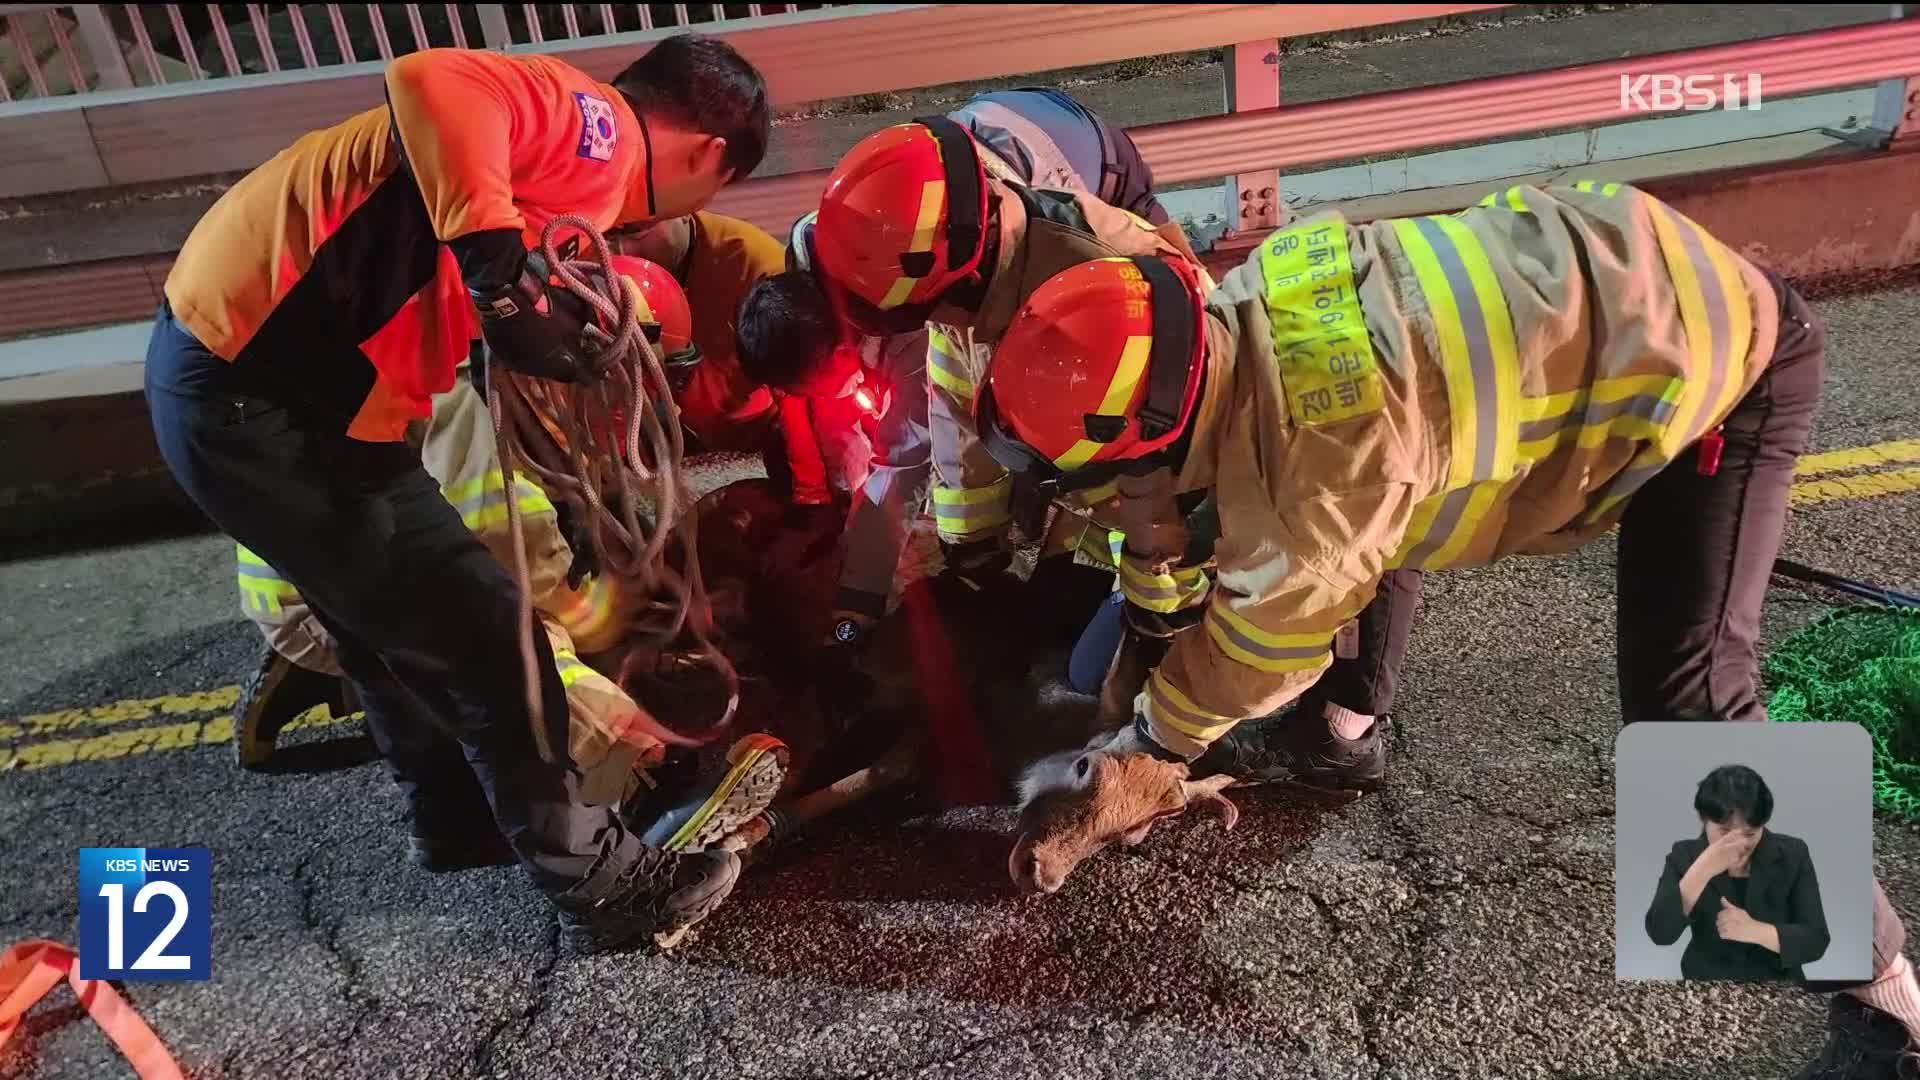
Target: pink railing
column 62, row 49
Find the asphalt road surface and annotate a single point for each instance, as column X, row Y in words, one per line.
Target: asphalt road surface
column 1457, row 924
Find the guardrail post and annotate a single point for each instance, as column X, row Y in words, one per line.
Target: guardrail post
column 1896, row 107
column 1253, row 82
column 493, row 25
column 103, row 47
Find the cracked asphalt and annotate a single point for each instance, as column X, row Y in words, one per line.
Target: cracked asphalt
column 1455, row 925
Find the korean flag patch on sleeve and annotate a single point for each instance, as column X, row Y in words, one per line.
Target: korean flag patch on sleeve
column 598, row 132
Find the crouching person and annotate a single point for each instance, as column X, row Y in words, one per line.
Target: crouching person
column 1430, row 393
column 585, row 618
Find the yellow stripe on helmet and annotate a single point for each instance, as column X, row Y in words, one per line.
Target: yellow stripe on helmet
column 1126, row 380
column 933, row 195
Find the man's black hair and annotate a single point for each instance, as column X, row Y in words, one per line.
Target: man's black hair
column 785, row 329
column 701, row 83
column 1734, row 789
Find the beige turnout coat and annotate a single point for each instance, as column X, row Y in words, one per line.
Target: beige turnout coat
column 1439, row 392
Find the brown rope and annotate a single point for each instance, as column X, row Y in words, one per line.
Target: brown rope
column 579, row 467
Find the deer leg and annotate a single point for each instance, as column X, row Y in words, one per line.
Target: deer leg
column 896, row 766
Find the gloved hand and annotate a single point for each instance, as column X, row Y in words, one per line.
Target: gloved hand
column 579, row 541
column 543, row 331
column 977, row 562
column 1162, row 625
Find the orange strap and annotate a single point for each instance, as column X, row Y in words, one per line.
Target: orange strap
column 32, row 968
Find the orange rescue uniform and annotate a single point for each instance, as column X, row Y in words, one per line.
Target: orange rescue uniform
column 326, row 269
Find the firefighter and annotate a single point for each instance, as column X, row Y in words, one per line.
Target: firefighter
column 584, row 615
column 928, row 237
column 719, row 259
column 315, row 311
column 1442, row 392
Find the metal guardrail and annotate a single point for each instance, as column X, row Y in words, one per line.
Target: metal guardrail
column 51, row 50
column 155, row 133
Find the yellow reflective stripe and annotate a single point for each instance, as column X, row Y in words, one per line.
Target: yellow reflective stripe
column 490, row 484
column 964, row 511
column 1126, row 380
column 1094, row 496
column 570, row 668
column 1454, row 363
column 1637, row 406
column 242, row 554
column 1176, row 710
column 588, row 611
column 1495, row 340
column 1262, row 650
column 1417, row 529
column 1595, row 187
column 1693, row 314
column 1511, row 197
column 1480, row 499
column 943, row 364
column 933, row 194
column 1714, row 314
column 1583, row 185
column 1739, row 319
column 492, row 513
column 1164, row 593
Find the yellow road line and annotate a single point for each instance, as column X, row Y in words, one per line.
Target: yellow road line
column 1859, row 457
column 119, row 712
column 1864, row 486
column 129, row 742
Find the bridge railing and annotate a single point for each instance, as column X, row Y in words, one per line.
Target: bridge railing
column 192, row 127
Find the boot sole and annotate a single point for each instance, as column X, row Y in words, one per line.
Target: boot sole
column 251, row 749
column 759, row 768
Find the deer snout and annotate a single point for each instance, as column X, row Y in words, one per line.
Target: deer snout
column 1033, row 872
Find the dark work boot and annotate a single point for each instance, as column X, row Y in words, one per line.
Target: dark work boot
column 455, row 833
column 276, row 692
column 1299, row 746
column 1863, row 1043
column 658, row 895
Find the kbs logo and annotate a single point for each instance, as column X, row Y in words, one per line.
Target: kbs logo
column 1692, row 93
column 145, row 913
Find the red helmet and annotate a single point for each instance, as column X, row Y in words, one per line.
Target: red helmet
column 1100, row 367
column 662, row 309
column 903, row 220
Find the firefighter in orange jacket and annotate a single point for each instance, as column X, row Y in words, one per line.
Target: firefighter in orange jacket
column 316, row 310
column 1440, row 392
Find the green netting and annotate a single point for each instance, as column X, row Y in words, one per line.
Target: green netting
column 1859, row 664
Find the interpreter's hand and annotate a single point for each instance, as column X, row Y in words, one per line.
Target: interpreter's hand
column 1733, row 922
column 1730, row 851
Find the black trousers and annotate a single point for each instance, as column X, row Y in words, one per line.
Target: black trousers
column 426, row 621
column 1696, row 552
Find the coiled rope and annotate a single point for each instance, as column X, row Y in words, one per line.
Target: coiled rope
column 630, row 395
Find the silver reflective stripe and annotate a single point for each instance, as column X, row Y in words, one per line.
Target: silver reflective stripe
column 1717, row 318
column 1647, row 407
column 1444, row 522
column 968, row 511
column 1473, row 322
column 1269, row 652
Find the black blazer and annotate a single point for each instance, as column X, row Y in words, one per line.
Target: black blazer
column 1781, row 890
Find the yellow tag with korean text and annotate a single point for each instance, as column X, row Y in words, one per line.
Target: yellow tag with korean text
column 1320, row 340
